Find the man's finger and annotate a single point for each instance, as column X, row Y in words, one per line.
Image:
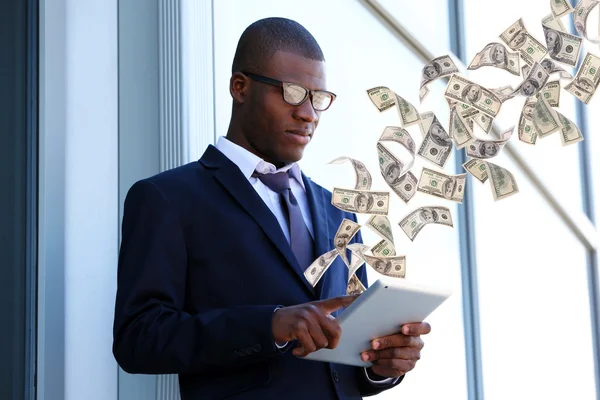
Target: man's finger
column 405, row 353
column 416, row 329
column 332, row 330
column 335, row 303
column 396, row 340
column 305, row 344
column 402, row 366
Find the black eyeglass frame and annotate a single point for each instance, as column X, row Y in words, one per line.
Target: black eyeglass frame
column 309, row 93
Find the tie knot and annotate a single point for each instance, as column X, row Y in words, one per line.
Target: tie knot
column 277, row 182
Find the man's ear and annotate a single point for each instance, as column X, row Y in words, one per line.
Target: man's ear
column 238, row 87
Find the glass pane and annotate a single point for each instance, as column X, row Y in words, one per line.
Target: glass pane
column 557, row 165
column 361, row 54
column 533, row 293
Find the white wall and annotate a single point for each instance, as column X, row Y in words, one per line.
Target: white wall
column 78, row 199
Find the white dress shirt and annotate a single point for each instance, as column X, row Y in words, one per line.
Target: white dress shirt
column 248, row 163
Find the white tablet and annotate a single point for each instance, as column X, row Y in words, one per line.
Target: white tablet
column 378, row 312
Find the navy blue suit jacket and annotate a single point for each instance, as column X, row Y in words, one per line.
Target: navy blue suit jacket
column 203, row 264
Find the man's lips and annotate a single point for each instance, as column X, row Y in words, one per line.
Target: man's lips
column 299, row 136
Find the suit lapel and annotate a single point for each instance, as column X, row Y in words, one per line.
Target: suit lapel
column 232, row 180
column 323, row 235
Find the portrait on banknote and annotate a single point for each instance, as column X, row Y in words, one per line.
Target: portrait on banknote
column 428, row 215
column 472, row 93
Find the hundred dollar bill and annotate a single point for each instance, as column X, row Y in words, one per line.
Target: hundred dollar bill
column 471, row 94
column 527, row 131
column 383, row 248
column 382, row 226
column 534, row 82
column 317, row 269
column 503, row 93
column 503, row 183
column 391, row 168
column 401, row 136
column 416, row 220
column 496, row 55
column 477, row 169
column 562, row 46
column 484, row 121
column 484, row 149
column 437, row 145
column 552, row 22
column 580, row 18
column 357, row 257
column 545, row 119
column 394, row 267
column 361, row 201
column 384, row 98
column 460, row 130
column 438, row 184
column 586, row 80
column 551, row 92
column 426, row 121
column 343, row 236
column 355, row 286
column 560, row 8
column 552, row 68
column 436, row 68
column 518, row 39
column 363, row 177
column 570, row 133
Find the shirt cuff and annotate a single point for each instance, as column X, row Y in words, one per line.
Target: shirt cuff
column 379, row 380
column 281, row 347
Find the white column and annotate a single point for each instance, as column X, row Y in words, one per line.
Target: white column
column 78, row 199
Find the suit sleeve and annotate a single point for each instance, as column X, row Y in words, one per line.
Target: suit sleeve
column 366, row 386
column 153, row 334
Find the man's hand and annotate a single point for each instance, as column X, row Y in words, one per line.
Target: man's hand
column 310, row 324
column 393, row 356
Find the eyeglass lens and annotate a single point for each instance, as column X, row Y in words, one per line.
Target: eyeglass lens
column 295, row 94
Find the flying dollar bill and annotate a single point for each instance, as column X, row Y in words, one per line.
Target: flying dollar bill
column 343, row 236
column 414, row 222
column 496, row 55
column 545, row 119
column 551, row 92
column 357, row 257
column 518, row 39
column 435, row 69
column 361, row 201
column 471, row 94
column 533, row 82
column 317, row 269
column 404, row 185
column 503, row 93
column 355, row 286
column 401, row 136
column 570, row 133
column 461, row 131
column 427, row 119
column 586, row 80
column 484, row 149
column 383, row 248
column 552, row 68
column 484, row 121
column 553, row 22
column 363, row 177
column 381, row 225
column 580, row 18
column 438, row 184
column 384, row 98
column 437, row 145
column 527, row 131
column 562, row 46
column 503, row 182
column 560, row 8
column 477, row 169
column 394, row 267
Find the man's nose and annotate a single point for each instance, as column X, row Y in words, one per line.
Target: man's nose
column 306, row 112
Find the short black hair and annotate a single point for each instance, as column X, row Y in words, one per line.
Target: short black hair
column 264, row 37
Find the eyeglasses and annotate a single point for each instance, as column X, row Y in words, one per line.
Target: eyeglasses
column 296, row 94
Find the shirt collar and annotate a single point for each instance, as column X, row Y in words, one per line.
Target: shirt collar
column 248, row 162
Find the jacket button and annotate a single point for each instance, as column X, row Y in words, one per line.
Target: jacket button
column 335, row 376
column 257, row 348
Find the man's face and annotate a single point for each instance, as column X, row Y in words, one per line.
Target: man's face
column 273, row 129
column 429, row 72
column 585, row 86
column 547, row 65
column 427, row 216
column 438, row 131
column 489, row 149
column 528, row 88
column 528, row 111
column 392, row 174
column 361, row 203
column 449, row 188
column 473, row 93
column 518, row 40
column 498, row 54
column 551, row 38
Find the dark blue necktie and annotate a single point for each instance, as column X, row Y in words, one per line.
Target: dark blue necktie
column 300, row 240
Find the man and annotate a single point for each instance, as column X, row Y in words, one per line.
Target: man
column 428, row 215
column 530, row 87
column 488, row 149
column 472, row 93
column 430, row 72
column 553, row 42
column 498, row 54
column 439, row 135
column 363, row 203
column 392, row 173
column 211, row 279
